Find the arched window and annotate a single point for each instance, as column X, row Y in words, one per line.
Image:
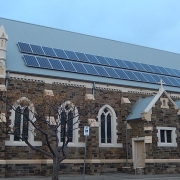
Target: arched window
column 67, row 116
column 69, row 120
column 106, row 136
column 107, row 129
column 20, row 125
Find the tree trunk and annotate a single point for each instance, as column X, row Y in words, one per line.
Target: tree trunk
column 56, row 168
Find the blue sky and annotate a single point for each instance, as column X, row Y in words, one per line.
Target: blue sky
column 151, row 23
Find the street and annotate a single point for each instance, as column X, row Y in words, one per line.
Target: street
column 109, row 176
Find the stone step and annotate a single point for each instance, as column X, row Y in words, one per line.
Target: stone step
column 131, row 170
column 140, row 170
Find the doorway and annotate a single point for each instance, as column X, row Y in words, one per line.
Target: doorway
column 139, row 153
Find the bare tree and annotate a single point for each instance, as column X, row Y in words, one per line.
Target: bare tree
column 43, row 116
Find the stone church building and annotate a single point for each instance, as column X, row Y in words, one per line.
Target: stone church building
column 136, row 128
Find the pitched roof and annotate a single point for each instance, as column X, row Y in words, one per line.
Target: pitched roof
column 139, row 108
column 50, row 37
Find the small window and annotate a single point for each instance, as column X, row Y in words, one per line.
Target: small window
column 167, row 136
column 164, row 102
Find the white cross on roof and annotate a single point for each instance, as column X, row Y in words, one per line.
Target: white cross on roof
column 161, row 83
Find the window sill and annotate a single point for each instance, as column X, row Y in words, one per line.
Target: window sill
column 167, row 144
column 111, row 145
column 18, row 143
column 74, row 144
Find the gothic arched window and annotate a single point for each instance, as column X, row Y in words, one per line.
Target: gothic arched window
column 21, row 123
column 108, row 127
column 21, row 113
column 67, row 116
column 69, row 128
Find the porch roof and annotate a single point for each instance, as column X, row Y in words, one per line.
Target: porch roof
column 139, row 108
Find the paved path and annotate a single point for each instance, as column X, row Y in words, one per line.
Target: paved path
column 112, row 176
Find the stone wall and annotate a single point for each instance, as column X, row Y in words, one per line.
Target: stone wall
column 15, row 170
column 162, row 168
column 89, row 109
column 164, row 118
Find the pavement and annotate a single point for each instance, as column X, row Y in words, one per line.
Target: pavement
column 109, row 176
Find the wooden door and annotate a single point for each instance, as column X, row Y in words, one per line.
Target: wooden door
column 139, row 160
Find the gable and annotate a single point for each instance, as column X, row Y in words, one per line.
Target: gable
column 143, row 107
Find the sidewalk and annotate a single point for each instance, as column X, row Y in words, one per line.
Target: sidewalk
column 111, row 176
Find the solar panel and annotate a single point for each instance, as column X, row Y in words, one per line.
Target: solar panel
column 68, row 66
column 81, row 57
column 111, row 62
column 37, row 49
column 138, row 66
column 174, row 81
column 155, row 69
column 60, row 53
column 92, row 58
column 176, row 71
column 50, row 63
column 79, row 67
column 111, row 72
column 170, row 71
column 102, row 60
column 130, row 65
column 101, row 71
column 30, row 61
column 24, row 47
column 136, row 75
column 43, row 62
column 49, row 51
column 131, row 75
column 156, row 77
column 162, row 70
column 56, row 64
column 121, row 63
column 71, row 55
column 178, row 80
column 146, row 67
column 149, row 78
column 121, row 74
column 166, row 81
column 140, row 76
column 90, row 69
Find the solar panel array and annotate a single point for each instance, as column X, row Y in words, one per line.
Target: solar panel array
column 63, row 60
